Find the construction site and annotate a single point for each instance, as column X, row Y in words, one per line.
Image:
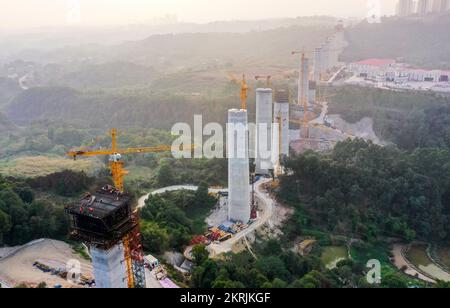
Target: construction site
column 107, row 222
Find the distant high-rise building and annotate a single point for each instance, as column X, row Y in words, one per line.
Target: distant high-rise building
column 423, row 7
column 440, row 6
column 405, row 7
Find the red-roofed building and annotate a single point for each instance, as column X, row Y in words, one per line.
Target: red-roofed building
column 382, row 70
column 376, row 62
column 372, row 68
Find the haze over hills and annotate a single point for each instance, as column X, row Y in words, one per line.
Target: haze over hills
column 165, row 69
column 369, row 166
column 424, row 42
column 47, row 38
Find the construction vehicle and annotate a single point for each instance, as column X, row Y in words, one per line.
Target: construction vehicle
column 244, row 89
column 134, row 257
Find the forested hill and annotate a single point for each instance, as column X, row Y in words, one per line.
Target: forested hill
column 8, row 90
column 5, row 124
column 371, row 191
column 270, row 47
column 423, row 42
column 104, row 110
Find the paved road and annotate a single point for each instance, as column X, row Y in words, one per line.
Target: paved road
column 267, row 205
column 401, row 263
column 331, row 80
column 150, row 281
column 321, row 119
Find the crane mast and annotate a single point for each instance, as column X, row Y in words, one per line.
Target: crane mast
column 116, row 163
column 244, row 89
column 131, row 241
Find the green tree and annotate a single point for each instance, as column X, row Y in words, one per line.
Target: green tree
column 312, row 280
column 202, row 198
column 442, row 285
column 200, row 254
column 273, row 267
column 394, row 281
column 205, row 275
column 165, row 176
column 279, row 284
column 5, row 225
column 154, row 238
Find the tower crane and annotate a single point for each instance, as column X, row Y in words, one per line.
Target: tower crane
column 116, row 163
column 132, row 241
column 268, row 79
column 244, row 90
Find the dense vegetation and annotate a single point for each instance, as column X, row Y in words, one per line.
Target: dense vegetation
column 133, row 108
column 23, row 219
column 423, row 42
column 170, row 220
column 278, row 267
column 408, row 119
column 65, row 183
column 369, row 191
column 26, row 211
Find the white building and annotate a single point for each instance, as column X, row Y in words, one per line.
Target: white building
column 382, row 70
column 440, row 6
column 405, row 7
column 423, row 7
column 371, row 68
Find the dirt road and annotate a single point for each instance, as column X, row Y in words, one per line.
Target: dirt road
column 267, row 205
column 17, row 266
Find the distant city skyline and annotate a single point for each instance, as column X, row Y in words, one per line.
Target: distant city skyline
column 44, row 13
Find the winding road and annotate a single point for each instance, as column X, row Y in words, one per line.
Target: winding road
column 141, row 201
column 265, row 201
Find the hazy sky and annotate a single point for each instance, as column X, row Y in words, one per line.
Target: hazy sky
column 36, row 13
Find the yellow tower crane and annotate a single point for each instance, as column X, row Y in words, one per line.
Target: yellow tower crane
column 116, row 164
column 118, row 172
column 267, row 78
column 244, row 89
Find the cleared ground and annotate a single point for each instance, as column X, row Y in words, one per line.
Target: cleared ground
column 418, row 256
column 332, row 255
column 34, row 166
column 17, row 267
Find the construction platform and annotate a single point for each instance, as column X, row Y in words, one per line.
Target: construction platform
column 101, row 219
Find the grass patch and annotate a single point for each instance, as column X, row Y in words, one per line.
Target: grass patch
column 35, row 166
column 80, row 249
column 381, row 251
column 331, row 255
